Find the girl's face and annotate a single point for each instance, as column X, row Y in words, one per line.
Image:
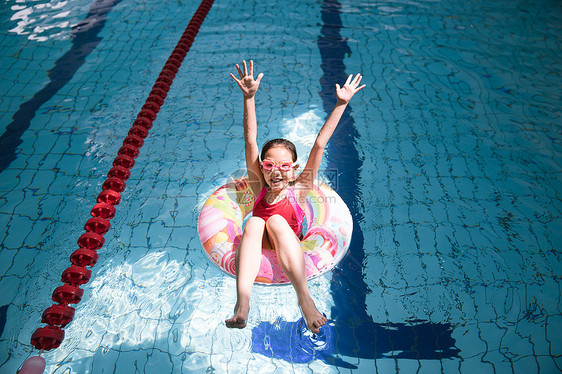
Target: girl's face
column 276, row 178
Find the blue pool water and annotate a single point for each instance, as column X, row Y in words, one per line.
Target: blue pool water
column 449, row 160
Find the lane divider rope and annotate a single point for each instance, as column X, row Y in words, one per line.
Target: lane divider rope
column 61, row 314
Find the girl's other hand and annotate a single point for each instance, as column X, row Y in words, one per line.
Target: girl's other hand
column 247, row 84
column 349, row 89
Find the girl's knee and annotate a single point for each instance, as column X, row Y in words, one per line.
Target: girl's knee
column 276, row 222
column 255, row 225
column 278, row 227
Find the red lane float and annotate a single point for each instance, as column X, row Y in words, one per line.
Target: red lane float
column 109, row 197
column 129, row 150
column 164, row 82
column 139, row 131
column 67, row 294
column 155, row 100
column 91, row 240
column 60, row 314
column 135, row 141
column 120, row 171
column 76, row 275
column 103, row 210
column 84, row 257
column 162, row 86
column 158, row 92
column 47, row 338
column 148, row 114
column 143, row 122
column 115, row 184
column 98, row 225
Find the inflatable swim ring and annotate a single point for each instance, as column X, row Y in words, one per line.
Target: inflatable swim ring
column 325, row 241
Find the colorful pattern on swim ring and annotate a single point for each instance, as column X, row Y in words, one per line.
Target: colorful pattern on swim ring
column 325, row 242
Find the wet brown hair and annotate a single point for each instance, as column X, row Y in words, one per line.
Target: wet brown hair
column 279, row 142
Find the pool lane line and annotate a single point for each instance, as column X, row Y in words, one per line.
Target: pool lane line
column 342, row 157
column 58, row 316
column 84, row 40
column 356, row 333
column 348, row 287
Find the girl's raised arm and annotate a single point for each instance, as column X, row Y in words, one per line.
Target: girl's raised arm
column 344, row 94
column 249, row 87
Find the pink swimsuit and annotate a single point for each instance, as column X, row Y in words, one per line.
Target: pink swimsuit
column 287, row 208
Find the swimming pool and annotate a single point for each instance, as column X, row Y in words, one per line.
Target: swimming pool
column 449, row 161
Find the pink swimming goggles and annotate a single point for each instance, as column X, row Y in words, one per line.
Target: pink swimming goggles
column 283, row 165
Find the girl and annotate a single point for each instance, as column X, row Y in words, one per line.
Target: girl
column 278, row 213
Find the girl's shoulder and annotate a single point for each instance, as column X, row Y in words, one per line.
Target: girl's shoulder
column 300, row 188
column 261, row 194
column 298, row 195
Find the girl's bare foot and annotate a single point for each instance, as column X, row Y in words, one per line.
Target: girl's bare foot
column 313, row 318
column 238, row 321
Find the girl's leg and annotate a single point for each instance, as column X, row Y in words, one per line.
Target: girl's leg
column 248, row 260
column 291, row 258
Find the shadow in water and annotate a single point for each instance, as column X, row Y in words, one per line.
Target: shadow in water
column 3, row 316
column 292, row 342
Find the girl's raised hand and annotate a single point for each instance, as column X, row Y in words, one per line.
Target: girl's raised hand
column 247, row 84
column 349, row 89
